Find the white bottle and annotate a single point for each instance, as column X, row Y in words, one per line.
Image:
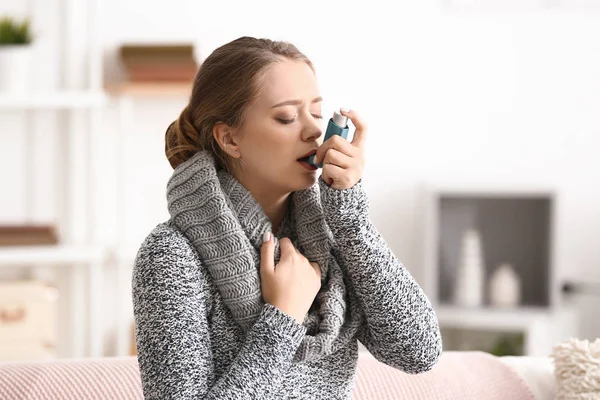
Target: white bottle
column 468, row 286
column 505, row 287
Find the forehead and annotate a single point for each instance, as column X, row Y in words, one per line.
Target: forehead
column 288, row 80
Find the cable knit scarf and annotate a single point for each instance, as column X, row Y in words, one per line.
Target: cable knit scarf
column 225, row 224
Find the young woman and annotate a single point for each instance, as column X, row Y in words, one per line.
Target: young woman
column 267, row 275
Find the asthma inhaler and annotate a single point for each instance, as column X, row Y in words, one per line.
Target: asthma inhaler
column 338, row 125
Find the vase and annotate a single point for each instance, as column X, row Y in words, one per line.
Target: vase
column 505, row 287
column 15, row 68
column 468, row 287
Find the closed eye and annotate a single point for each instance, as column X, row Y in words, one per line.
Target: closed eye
column 291, row 121
column 286, row 121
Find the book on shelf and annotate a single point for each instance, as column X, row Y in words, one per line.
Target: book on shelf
column 163, row 72
column 151, row 59
column 28, row 235
column 144, row 63
column 137, row 50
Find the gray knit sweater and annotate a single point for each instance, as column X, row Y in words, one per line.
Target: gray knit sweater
column 190, row 346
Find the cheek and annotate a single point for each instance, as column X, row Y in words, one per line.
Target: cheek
column 269, row 144
column 277, row 141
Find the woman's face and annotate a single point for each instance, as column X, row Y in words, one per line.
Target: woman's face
column 281, row 126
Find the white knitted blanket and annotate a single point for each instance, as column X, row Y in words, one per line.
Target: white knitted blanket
column 577, row 369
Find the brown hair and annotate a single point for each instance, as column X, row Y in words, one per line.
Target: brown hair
column 226, row 83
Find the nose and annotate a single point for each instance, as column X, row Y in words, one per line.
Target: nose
column 311, row 130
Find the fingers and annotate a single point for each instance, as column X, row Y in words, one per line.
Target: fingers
column 336, row 143
column 337, row 158
column 267, row 257
column 360, row 126
column 336, row 177
column 287, row 248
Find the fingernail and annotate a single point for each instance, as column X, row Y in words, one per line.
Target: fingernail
column 266, row 236
column 344, row 109
column 316, row 161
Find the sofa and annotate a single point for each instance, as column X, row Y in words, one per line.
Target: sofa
column 457, row 376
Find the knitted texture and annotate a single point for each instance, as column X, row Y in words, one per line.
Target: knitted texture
column 226, row 224
column 577, row 369
column 202, row 329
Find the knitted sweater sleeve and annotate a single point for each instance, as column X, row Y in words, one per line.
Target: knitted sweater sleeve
column 171, row 309
column 401, row 327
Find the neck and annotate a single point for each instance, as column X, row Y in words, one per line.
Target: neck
column 274, row 207
column 273, row 202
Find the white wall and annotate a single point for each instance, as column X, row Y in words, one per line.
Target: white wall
column 451, row 96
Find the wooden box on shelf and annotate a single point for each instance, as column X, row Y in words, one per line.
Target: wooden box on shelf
column 28, row 235
column 27, row 320
column 159, row 62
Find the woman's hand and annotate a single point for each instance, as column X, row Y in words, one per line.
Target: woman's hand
column 343, row 162
column 291, row 285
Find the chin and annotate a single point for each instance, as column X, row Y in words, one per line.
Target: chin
column 301, row 182
column 308, row 181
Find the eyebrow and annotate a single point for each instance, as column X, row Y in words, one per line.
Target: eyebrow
column 296, row 102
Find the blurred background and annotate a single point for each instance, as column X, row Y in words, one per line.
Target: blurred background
column 482, row 161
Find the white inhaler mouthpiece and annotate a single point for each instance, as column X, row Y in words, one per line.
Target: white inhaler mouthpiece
column 339, row 119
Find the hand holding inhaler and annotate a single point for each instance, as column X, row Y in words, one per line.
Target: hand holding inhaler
column 342, row 161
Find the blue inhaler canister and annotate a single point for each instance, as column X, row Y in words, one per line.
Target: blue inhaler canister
column 338, row 125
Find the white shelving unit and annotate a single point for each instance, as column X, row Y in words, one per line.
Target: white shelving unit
column 125, row 95
column 80, row 256
column 64, row 100
column 59, row 255
column 449, row 209
column 542, row 328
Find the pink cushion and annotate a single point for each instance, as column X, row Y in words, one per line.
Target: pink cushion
column 106, row 378
column 457, row 376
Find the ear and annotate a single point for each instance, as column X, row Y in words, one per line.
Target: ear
column 227, row 139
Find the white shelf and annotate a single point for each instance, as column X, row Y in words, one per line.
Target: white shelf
column 541, row 327
column 158, row 89
column 53, row 100
column 509, row 319
column 492, row 190
column 79, row 58
column 49, row 255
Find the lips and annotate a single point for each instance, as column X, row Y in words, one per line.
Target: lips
column 310, row 153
